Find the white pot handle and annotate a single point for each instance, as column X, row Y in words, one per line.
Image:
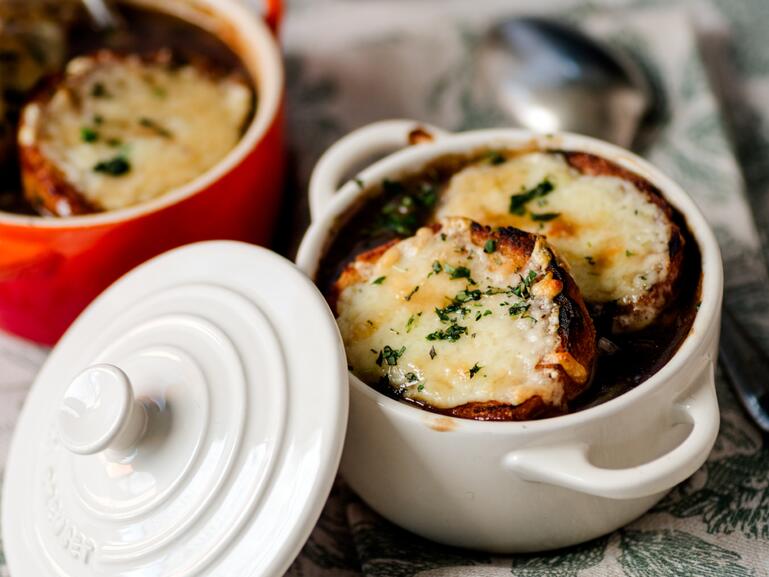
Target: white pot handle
column 357, row 147
column 568, row 465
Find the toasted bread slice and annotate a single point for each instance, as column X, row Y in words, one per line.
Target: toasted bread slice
column 468, row 321
column 116, row 131
column 613, row 229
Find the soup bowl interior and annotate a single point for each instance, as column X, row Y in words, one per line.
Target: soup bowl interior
column 530, row 485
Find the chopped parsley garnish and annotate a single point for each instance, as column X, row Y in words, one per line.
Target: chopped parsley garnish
column 401, row 214
column 466, row 296
column 88, row 134
column 490, row 246
column 433, row 354
column 518, row 201
column 155, row 127
column 523, row 288
column 98, row 90
column 495, row 157
column 474, row 369
column 428, row 194
column 437, row 267
column 412, row 377
column 412, row 322
column 454, row 307
column 116, row 166
column 452, row 334
column 379, row 280
column 544, row 216
column 590, row 260
column 359, row 182
column 389, row 356
column 412, row 293
column 458, row 272
column 518, row 309
column 479, row 315
column 98, row 119
column 421, row 387
column 629, row 253
column 443, row 236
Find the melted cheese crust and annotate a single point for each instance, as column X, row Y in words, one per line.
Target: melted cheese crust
column 498, row 355
column 612, row 237
column 170, row 124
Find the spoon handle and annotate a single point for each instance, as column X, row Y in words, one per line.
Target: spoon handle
column 747, row 367
column 102, row 14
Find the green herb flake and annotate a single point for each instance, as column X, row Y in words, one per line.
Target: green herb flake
column 116, row 166
column 390, row 356
column 544, row 216
column 458, row 272
column 359, row 182
column 523, row 289
column 98, row 90
column 437, row 267
column 468, row 295
column 474, row 370
column 479, row 315
column 433, row 354
column 490, row 246
column 451, row 334
column 629, row 253
column 420, row 387
column 590, row 260
column 412, row 293
column 518, row 201
column 412, row 322
column 443, row 236
column 518, row 309
column 155, row 127
column 494, row 157
column 411, row 377
column 88, row 134
column 379, row 280
column 454, row 307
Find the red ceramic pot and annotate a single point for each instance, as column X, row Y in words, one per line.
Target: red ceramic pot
column 51, row 268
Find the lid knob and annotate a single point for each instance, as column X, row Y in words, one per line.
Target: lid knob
column 98, row 412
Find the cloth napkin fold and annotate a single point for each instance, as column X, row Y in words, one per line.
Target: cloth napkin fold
column 350, row 63
column 353, row 63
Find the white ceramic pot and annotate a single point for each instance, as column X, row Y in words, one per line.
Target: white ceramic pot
column 521, row 486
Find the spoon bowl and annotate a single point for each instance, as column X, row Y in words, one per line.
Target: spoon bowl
column 547, row 76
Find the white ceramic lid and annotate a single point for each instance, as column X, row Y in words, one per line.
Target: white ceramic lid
column 189, row 423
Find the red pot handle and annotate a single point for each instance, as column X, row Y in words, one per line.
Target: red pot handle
column 273, row 14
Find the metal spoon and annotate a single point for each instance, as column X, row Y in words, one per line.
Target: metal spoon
column 102, row 14
column 549, row 76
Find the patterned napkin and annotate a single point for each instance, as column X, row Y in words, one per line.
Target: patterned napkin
column 350, row 63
